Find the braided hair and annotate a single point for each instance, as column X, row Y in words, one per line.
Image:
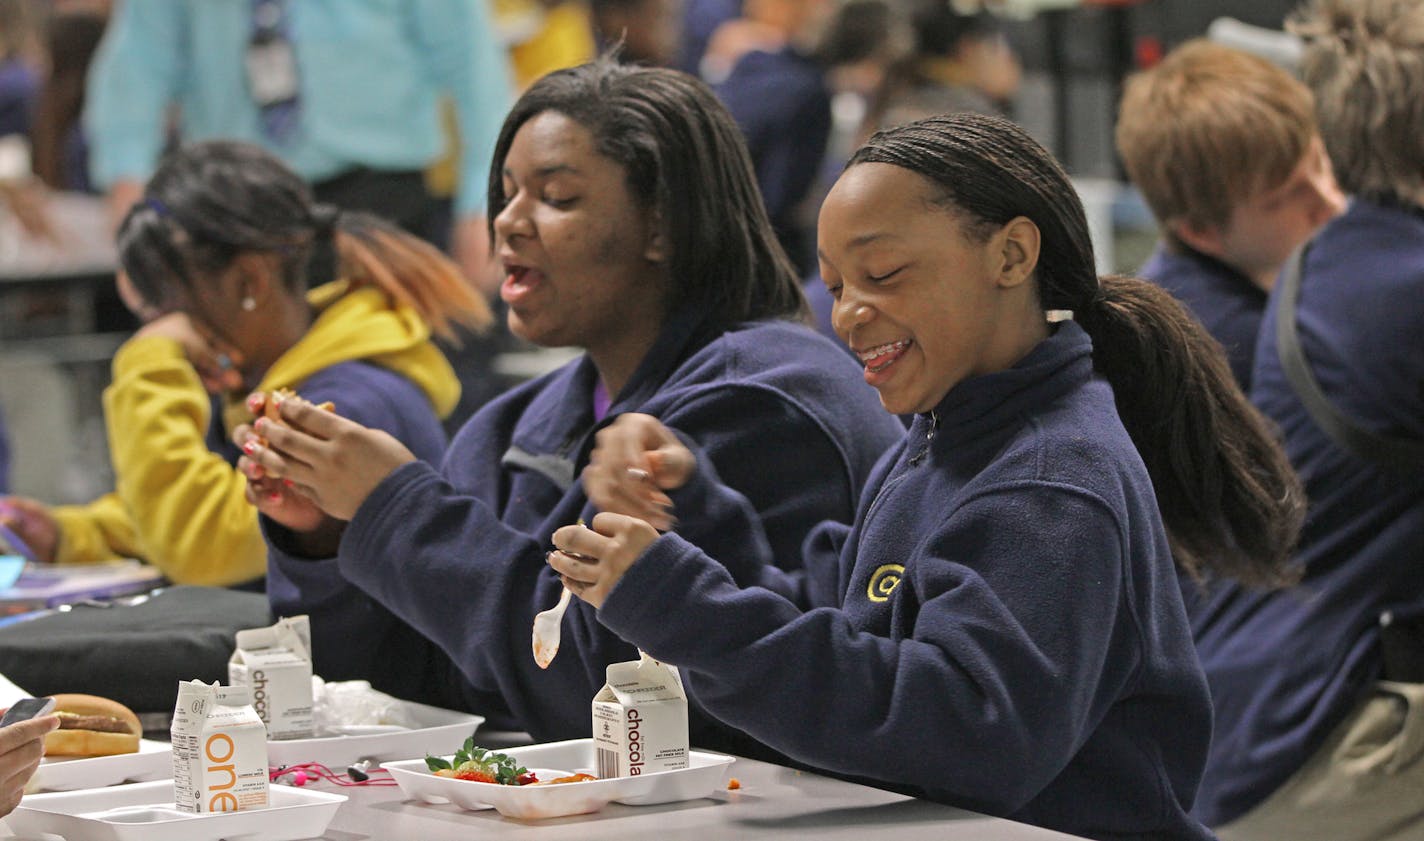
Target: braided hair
column 1232, row 505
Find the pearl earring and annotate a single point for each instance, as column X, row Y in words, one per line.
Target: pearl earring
column 249, row 304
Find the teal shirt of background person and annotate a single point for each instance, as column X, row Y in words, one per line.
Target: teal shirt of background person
column 371, row 76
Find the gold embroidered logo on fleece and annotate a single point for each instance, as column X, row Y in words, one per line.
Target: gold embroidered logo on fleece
column 883, row 582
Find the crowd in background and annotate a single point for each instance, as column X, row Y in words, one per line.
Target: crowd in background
column 1211, row 479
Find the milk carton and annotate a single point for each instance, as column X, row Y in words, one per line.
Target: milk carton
column 640, row 720
column 219, row 750
column 275, row 662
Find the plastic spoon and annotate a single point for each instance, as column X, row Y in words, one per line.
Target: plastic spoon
column 546, row 630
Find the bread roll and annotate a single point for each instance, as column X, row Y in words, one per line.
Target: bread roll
column 92, row 726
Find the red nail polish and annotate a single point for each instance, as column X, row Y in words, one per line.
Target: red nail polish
column 254, row 403
column 275, row 496
column 250, row 447
column 287, row 482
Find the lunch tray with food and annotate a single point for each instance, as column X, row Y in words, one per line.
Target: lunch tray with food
column 566, row 781
column 98, row 744
column 145, row 812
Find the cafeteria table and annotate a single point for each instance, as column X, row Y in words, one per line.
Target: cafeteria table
column 773, row 802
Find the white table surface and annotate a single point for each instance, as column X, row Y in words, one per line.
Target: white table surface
column 773, row 802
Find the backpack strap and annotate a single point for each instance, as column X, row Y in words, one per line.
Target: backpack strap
column 1385, row 452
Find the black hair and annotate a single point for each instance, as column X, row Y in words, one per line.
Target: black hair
column 210, row 202
column 684, row 157
column 1232, row 505
column 939, row 29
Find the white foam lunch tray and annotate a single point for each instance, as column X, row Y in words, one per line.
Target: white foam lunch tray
column 145, row 812
column 435, row 731
column 706, row 772
column 154, row 761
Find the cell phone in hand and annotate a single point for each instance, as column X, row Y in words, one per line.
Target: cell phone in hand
column 26, row 709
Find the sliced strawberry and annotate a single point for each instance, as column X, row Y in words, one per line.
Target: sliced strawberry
column 475, row 776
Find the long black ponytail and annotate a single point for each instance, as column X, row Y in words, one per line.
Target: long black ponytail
column 1232, row 505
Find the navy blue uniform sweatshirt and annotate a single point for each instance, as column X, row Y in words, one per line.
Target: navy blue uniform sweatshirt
column 1224, row 300
column 459, row 554
column 1286, row 667
column 1000, row 629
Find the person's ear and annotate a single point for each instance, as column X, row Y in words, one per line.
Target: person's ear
column 1207, row 239
column 1015, row 249
column 656, row 249
column 256, row 276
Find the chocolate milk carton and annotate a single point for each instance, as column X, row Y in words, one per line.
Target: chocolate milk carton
column 275, row 662
column 219, row 749
column 640, row 720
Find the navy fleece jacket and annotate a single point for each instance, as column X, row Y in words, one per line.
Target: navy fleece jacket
column 1286, row 667
column 1224, row 300
column 1002, row 628
column 782, row 413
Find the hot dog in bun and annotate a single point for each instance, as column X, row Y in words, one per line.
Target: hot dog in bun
column 92, row 726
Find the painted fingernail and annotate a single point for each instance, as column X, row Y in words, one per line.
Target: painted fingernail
column 255, row 403
column 274, row 496
column 287, row 482
column 260, row 425
column 251, row 447
column 638, row 474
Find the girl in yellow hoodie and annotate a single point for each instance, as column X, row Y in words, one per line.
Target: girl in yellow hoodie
column 219, row 256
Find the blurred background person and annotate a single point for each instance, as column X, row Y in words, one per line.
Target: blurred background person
column 543, row 36
column 219, row 257
column 763, row 67
column 959, row 62
column 648, row 30
column 344, row 91
column 1319, row 690
column 1224, row 147
column 60, row 149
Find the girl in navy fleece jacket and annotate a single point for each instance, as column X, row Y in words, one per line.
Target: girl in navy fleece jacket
column 627, row 219
column 1002, row 627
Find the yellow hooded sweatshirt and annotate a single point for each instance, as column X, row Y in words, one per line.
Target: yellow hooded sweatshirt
column 180, row 506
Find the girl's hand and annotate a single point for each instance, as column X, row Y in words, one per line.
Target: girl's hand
column 332, row 461
column 634, row 460
column 276, row 498
column 591, row 561
column 33, row 523
column 215, row 361
column 21, row 748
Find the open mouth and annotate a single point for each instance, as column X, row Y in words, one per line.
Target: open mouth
column 519, row 281
column 880, row 357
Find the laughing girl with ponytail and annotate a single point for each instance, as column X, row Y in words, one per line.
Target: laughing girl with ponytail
column 1002, row 627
